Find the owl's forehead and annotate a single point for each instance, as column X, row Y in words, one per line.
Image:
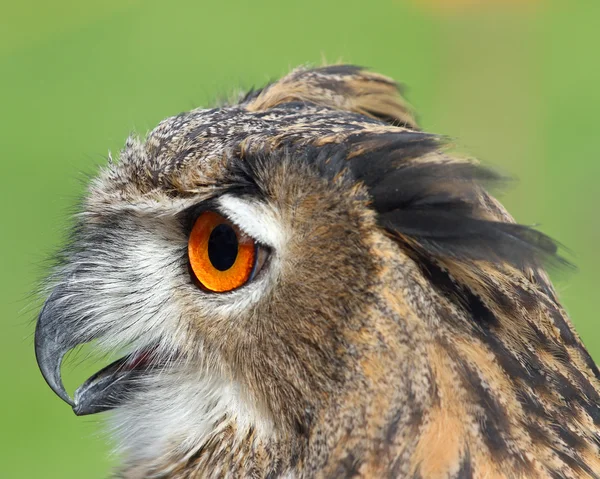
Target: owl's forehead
column 200, row 134
column 194, row 149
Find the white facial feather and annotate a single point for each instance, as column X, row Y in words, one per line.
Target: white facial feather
column 179, row 411
column 257, row 219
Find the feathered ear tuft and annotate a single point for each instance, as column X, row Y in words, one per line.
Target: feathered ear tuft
column 439, row 205
column 343, row 87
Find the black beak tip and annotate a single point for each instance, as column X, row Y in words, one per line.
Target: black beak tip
column 79, row 411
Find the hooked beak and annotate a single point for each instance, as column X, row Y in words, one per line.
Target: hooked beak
column 105, row 390
column 51, row 344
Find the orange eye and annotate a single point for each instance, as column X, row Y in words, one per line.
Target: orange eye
column 221, row 256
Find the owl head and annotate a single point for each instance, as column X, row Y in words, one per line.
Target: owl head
column 289, row 276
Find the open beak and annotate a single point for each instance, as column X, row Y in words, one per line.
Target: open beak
column 108, row 388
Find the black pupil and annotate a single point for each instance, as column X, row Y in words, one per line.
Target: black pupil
column 222, row 247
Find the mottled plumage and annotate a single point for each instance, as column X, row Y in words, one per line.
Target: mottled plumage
column 403, row 325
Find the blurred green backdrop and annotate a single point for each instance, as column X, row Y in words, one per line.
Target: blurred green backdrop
column 516, row 85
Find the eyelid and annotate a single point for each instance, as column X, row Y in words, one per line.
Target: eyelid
column 188, row 216
column 262, row 255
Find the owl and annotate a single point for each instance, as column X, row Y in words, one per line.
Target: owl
column 306, row 285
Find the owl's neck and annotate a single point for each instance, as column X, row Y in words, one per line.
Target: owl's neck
column 197, row 427
column 226, row 452
column 192, row 423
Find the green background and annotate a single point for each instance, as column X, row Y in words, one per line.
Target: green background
column 517, row 86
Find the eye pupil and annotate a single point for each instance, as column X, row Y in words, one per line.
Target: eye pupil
column 223, row 247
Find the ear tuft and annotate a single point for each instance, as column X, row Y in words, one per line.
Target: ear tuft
column 343, row 87
column 439, row 205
